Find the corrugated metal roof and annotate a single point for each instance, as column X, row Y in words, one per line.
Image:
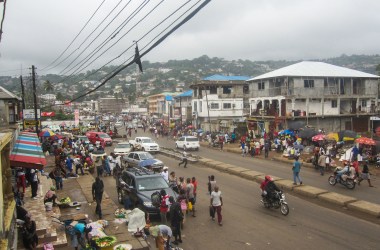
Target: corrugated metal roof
column 188, row 93
column 225, row 78
column 5, row 94
column 314, row 69
column 168, row 98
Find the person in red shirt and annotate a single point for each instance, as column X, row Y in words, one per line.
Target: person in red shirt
column 195, row 184
column 164, row 207
column 355, row 164
column 265, row 182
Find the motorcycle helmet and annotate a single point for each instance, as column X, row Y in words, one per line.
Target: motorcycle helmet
column 268, row 178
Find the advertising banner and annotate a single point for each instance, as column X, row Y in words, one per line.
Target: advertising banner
column 28, row 114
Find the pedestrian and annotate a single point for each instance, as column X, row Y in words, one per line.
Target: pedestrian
column 162, row 235
column 106, row 165
column 183, row 202
column 58, row 177
column 165, row 173
column 242, row 145
column 97, row 195
column 184, row 159
column 100, row 169
column 29, row 234
column 190, row 194
column 322, row 163
column 365, row 174
column 21, row 182
column 257, row 147
column 78, row 166
column 221, row 142
column 176, row 218
column 296, row 171
column 216, row 202
column 164, row 206
column 195, row 184
column 211, row 183
column 34, row 183
column 266, row 148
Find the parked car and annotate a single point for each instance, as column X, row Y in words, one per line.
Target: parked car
column 145, row 144
column 119, row 124
column 134, row 158
column 139, row 185
column 122, row 148
column 187, row 142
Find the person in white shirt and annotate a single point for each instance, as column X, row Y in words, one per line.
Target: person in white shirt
column 165, row 173
column 216, row 202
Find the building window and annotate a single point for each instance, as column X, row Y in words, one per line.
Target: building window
column 195, row 93
column 213, row 90
column 261, row 85
column 226, row 105
column 246, row 89
column 195, row 106
column 227, row 89
column 214, row 106
column 334, row 103
column 200, row 107
column 364, row 103
column 308, row 83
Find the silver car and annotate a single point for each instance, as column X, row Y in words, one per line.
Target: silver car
column 133, row 159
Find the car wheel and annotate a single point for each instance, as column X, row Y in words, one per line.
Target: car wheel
column 196, row 149
column 176, row 146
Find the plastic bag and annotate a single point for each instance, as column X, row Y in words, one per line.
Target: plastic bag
column 189, row 206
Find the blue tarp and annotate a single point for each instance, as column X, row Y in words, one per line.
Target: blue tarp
column 188, row 93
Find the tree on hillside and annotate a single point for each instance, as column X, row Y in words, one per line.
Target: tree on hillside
column 48, row 86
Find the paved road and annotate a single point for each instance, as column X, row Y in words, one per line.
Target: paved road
column 283, row 170
column 248, row 225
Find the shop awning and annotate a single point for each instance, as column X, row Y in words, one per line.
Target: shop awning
column 27, row 152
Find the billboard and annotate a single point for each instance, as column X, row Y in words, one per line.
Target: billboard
column 28, row 114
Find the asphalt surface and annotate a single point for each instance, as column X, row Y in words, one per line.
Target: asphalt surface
column 309, row 175
column 248, row 225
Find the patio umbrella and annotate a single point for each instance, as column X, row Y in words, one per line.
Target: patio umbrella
column 46, row 133
column 332, row 136
column 286, row 132
column 307, row 133
column 366, row 141
column 347, row 134
column 147, row 162
column 319, row 137
column 56, row 137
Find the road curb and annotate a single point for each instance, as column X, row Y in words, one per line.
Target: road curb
column 332, row 198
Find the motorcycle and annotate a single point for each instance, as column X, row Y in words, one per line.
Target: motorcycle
column 278, row 201
column 378, row 162
column 348, row 182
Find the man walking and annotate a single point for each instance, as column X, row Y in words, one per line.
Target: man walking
column 322, row 163
column 184, row 159
column 296, row 171
column 266, row 148
column 190, row 194
column 34, row 183
column 176, row 218
column 97, row 194
column 216, row 202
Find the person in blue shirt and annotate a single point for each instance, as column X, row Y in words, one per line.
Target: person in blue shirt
column 296, row 171
column 69, row 165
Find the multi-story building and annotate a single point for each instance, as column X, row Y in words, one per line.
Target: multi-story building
column 218, row 102
column 182, row 106
column 157, row 104
column 313, row 93
column 112, row 105
column 9, row 107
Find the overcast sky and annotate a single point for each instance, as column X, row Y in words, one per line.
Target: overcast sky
column 37, row 32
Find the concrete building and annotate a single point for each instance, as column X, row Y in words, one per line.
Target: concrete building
column 112, row 105
column 157, row 104
column 218, row 102
column 9, row 107
column 182, row 106
column 313, row 93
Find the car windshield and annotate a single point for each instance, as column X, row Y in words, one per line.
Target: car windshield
column 147, row 140
column 104, row 136
column 145, row 156
column 191, row 139
column 152, row 183
column 123, row 146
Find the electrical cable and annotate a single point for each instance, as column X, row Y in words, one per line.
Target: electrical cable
column 92, row 53
column 97, row 26
column 88, row 21
column 2, row 20
column 120, row 68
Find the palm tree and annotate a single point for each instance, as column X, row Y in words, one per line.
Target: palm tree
column 48, row 86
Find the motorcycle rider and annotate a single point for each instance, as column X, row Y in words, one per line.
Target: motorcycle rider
column 345, row 169
column 270, row 187
column 264, row 183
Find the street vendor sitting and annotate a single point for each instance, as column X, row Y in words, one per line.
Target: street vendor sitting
column 50, row 196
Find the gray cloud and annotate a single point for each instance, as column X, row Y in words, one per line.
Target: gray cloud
column 36, row 32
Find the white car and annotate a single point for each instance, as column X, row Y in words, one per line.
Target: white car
column 123, row 148
column 188, row 142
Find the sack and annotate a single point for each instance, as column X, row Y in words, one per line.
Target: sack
column 156, row 199
column 212, row 211
column 189, row 206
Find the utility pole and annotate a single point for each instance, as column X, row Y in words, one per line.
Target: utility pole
column 180, row 110
column 35, row 98
column 208, row 110
column 22, row 101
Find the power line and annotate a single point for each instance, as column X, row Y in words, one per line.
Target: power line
column 97, row 26
column 75, row 36
column 96, row 50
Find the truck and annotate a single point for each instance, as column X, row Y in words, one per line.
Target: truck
column 144, row 144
